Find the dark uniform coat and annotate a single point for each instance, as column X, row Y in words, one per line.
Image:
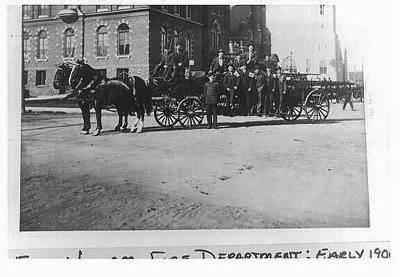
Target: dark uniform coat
column 211, row 92
column 230, row 80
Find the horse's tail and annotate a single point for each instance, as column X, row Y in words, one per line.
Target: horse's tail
column 143, row 94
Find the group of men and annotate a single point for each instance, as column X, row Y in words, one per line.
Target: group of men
column 257, row 84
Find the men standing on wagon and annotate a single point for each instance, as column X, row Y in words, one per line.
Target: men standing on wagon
column 178, row 60
column 218, row 65
column 211, row 96
column 231, row 83
column 268, row 63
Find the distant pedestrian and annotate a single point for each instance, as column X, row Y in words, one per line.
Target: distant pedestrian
column 211, row 96
column 348, row 98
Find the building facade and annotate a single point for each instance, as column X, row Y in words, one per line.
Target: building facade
column 248, row 25
column 305, row 39
column 117, row 39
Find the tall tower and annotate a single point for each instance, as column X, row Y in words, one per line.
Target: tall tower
column 345, row 73
column 306, row 34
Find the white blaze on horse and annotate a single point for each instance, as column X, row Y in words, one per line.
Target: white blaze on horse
column 128, row 97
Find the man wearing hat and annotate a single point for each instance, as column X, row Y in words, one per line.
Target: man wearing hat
column 211, row 96
column 178, row 60
column 250, row 58
column 260, row 87
column 279, row 89
column 218, row 65
column 231, row 83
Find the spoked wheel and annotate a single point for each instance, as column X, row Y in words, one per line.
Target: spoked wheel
column 317, row 105
column 166, row 113
column 190, row 112
column 291, row 111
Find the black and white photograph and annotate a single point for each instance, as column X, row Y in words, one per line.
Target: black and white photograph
column 180, row 117
column 226, row 130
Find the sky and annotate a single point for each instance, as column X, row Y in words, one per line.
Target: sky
column 352, row 27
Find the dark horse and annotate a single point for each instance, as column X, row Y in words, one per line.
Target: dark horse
column 128, row 97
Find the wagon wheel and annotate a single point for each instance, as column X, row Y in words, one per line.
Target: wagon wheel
column 166, row 113
column 317, row 105
column 190, row 112
column 292, row 111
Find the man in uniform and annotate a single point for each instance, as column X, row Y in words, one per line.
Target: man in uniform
column 231, row 83
column 211, row 96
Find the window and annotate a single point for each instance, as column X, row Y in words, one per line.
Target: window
column 176, row 9
column 43, row 10
column 69, row 43
column 123, row 7
column 215, row 35
column 188, row 45
column 322, row 68
column 322, row 26
column 40, row 77
column 322, row 10
column 27, row 11
column 213, row 9
column 163, row 40
column 102, row 8
column 25, row 46
column 123, row 43
column 188, row 11
column 70, row 6
column 218, row 9
column 102, row 49
column 123, row 73
column 101, row 72
column 181, row 11
column 43, row 45
column 164, row 7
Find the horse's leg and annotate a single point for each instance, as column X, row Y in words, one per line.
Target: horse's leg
column 135, row 123
column 118, row 127
column 98, row 105
column 125, row 121
column 141, row 119
column 84, row 106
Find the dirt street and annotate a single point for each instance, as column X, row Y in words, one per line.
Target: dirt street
column 250, row 173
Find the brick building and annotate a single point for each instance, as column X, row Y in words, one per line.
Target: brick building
column 117, row 38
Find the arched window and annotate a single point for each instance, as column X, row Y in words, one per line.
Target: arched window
column 26, row 46
column 69, row 43
column 215, row 35
column 102, row 48
column 322, row 68
column 43, row 45
column 123, row 41
column 163, row 40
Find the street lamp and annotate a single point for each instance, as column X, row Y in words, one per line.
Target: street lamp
column 70, row 16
